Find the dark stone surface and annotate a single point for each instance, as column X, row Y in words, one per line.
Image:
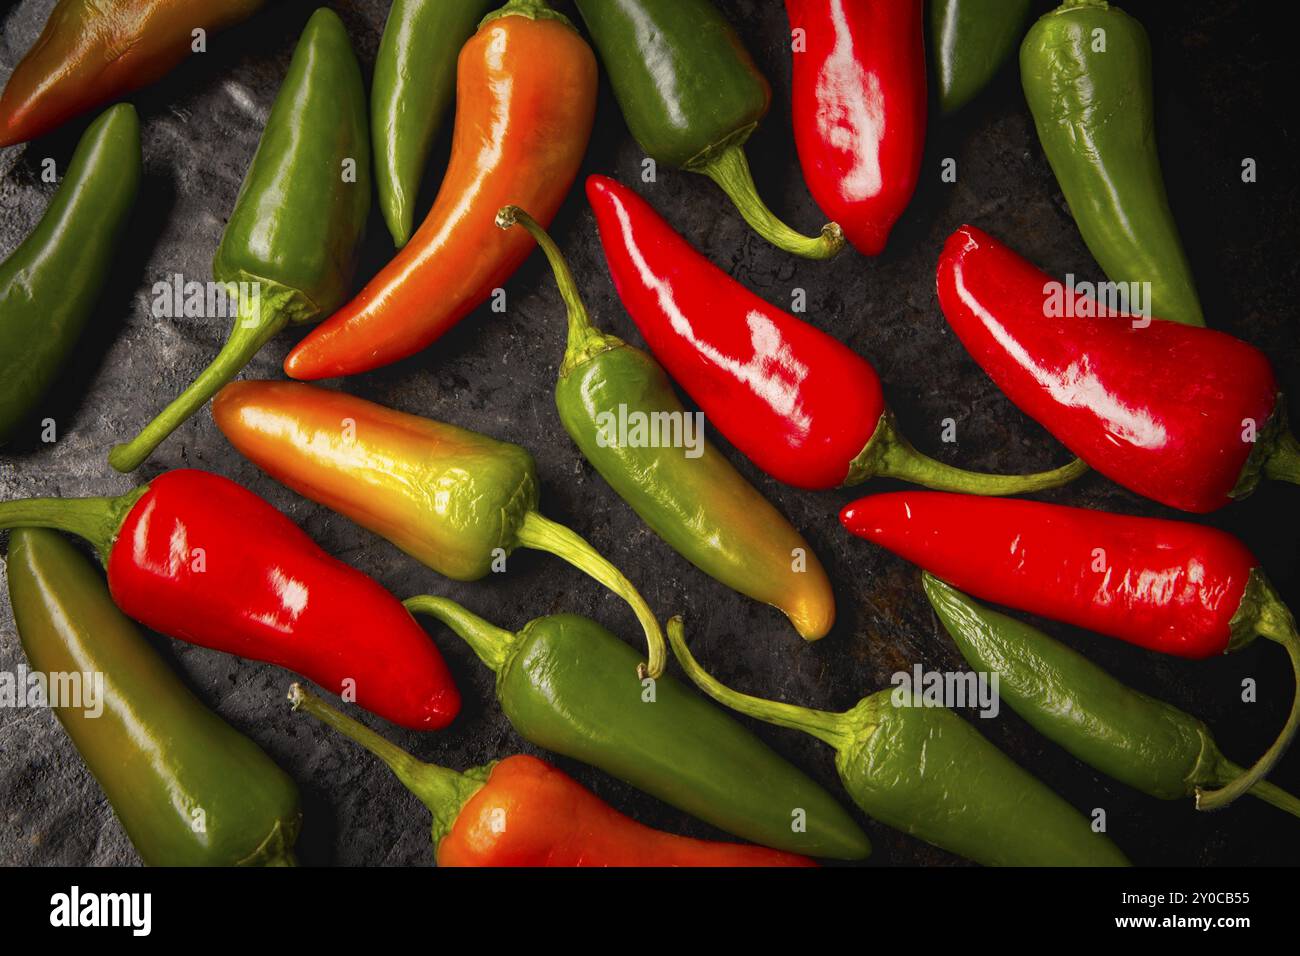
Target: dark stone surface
column 1221, row 82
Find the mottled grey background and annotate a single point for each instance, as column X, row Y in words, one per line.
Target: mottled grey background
column 1223, row 90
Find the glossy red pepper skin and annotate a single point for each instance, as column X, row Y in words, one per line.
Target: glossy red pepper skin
column 1169, row 586
column 859, row 110
column 268, row 592
column 195, row 556
column 798, row 403
column 1171, row 411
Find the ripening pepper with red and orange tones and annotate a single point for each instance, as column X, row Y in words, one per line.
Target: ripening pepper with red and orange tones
column 521, row 811
column 92, row 52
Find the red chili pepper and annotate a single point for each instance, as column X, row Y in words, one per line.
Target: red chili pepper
column 1170, row 586
column 1187, row 416
column 859, row 109
column 196, row 556
column 802, row 406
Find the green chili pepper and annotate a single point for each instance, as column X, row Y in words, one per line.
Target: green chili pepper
column 691, row 95
column 567, row 684
column 1143, row 742
column 970, row 40
column 189, row 789
column 415, row 76
column 927, row 772
column 49, row 286
column 1086, row 70
column 298, row 221
column 701, row 506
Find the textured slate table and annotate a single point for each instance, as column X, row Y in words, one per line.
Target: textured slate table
column 1217, row 68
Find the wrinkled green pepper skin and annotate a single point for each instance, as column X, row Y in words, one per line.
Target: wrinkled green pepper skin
column 1138, row 740
column 1007, row 816
column 570, row 686
column 297, row 223
column 702, row 507
column 970, row 40
column 1096, row 121
column 685, row 83
column 50, row 284
column 159, row 754
column 415, row 78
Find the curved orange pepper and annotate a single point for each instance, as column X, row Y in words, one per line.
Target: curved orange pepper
column 525, row 104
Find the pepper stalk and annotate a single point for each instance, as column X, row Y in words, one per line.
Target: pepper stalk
column 1261, row 614
column 255, row 325
column 729, row 168
column 298, row 221
column 444, row 791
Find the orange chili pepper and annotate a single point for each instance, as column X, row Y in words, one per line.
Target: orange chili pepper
column 525, row 104
column 522, row 811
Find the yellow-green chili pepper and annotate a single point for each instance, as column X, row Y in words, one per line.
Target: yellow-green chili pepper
column 700, row 505
column 451, row 498
column 189, row 789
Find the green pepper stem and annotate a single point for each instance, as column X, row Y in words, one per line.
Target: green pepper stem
column 98, row 520
column 729, row 168
column 277, row 848
column 1283, row 462
column 445, row 792
column 532, row 9
column 890, row 455
column 1269, row 793
column 585, row 340
column 491, row 643
column 540, row 532
column 833, row 729
column 249, row 333
column 1274, row 621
